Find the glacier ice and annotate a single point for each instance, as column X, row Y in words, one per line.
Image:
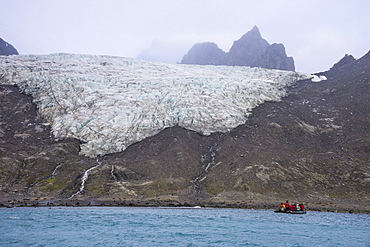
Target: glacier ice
column 111, row 102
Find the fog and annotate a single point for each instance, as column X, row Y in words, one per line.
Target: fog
column 315, row 33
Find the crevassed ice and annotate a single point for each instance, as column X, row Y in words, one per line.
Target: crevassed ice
column 111, row 102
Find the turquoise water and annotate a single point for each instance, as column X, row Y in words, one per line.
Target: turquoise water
column 129, row 226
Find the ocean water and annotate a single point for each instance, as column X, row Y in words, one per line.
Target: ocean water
column 131, row 226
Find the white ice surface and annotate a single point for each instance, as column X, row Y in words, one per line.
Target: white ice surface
column 110, row 102
column 316, row 78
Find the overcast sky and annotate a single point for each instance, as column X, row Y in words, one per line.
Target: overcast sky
column 316, row 33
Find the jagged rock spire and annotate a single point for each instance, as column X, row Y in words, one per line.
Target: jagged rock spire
column 253, row 33
column 250, row 50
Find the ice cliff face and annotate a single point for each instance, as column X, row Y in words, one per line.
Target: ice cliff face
column 110, row 103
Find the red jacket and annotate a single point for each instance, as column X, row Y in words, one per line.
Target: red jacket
column 292, row 207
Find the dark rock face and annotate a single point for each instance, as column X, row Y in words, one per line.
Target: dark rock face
column 6, row 48
column 312, row 147
column 250, row 50
column 346, row 60
column 29, row 156
column 247, row 50
column 204, row 54
column 274, row 57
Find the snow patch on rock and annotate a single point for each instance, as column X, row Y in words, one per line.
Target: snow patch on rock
column 316, row 78
column 111, row 102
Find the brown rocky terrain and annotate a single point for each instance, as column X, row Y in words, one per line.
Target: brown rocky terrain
column 312, row 147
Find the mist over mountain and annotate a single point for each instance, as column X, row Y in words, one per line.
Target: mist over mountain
column 250, row 50
column 164, row 51
column 206, row 53
column 6, row 48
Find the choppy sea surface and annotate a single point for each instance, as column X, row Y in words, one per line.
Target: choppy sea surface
column 131, row 226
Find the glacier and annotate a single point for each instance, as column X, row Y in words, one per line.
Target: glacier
column 109, row 103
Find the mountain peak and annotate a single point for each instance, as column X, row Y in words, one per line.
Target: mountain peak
column 250, row 50
column 252, row 35
column 255, row 30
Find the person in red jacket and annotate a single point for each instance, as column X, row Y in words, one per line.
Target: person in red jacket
column 292, row 207
column 287, row 205
column 302, row 206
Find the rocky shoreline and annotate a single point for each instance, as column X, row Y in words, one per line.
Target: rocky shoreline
column 325, row 206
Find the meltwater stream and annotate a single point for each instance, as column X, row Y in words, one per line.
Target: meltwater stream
column 208, row 160
column 128, row 226
column 85, row 177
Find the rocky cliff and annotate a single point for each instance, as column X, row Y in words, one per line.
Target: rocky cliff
column 250, row 50
column 313, row 146
column 6, row 48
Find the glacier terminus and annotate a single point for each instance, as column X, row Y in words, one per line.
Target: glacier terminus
column 109, row 103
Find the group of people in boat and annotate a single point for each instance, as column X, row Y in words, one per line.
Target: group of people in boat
column 291, row 207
